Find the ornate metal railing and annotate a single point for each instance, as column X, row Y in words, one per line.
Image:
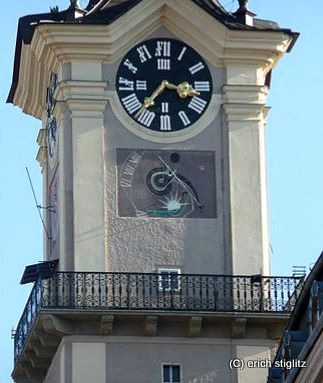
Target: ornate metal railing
column 156, row 292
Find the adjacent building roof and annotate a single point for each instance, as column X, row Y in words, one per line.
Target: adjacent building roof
column 104, row 12
column 302, row 333
column 316, row 274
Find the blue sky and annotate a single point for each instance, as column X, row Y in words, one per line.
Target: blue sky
column 294, row 157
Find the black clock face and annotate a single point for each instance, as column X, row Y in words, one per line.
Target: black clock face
column 164, row 85
column 51, row 124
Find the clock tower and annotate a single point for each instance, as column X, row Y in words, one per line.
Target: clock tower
column 153, row 157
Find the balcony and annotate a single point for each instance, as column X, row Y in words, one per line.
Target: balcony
column 73, row 292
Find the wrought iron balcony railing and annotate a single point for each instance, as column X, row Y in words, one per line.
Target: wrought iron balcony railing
column 156, row 292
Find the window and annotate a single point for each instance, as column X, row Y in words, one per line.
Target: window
column 168, row 279
column 171, row 373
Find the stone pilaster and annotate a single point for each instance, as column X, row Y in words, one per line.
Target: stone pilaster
column 244, row 106
column 88, row 183
column 82, row 99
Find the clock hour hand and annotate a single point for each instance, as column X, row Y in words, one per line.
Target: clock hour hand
column 184, row 89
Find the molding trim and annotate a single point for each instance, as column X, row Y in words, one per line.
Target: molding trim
column 106, row 325
column 151, row 325
column 239, row 328
column 195, row 326
column 82, row 108
column 170, row 340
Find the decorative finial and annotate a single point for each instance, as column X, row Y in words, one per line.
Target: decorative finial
column 75, row 3
column 243, row 5
column 54, row 9
column 74, row 11
column 243, row 15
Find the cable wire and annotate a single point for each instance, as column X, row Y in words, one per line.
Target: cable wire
column 38, row 206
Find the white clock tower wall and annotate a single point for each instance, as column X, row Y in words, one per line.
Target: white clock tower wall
column 153, row 156
column 88, row 169
column 67, row 203
column 233, row 242
column 143, row 244
column 245, row 113
column 94, row 130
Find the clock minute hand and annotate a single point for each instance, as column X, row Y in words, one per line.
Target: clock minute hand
column 150, row 101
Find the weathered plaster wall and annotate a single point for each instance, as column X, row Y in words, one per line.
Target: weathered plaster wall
column 142, row 244
column 120, row 359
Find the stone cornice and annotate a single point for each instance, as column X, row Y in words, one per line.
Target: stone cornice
column 42, row 150
column 82, row 90
column 245, row 102
column 41, row 156
column 85, row 108
column 244, row 112
column 253, row 94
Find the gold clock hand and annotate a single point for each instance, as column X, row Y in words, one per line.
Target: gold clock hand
column 146, row 104
column 150, row 101
column 159, row 90
column 169, row 85
column 185, row 89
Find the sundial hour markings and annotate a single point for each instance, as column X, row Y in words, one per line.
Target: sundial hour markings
column 128, row 170
column 134, row 158
column 141, row 214
column 196, row 68
column 125, row 183
column 131, row 103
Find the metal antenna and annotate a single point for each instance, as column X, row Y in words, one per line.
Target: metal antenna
column 299, row 271
column 38, row 206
